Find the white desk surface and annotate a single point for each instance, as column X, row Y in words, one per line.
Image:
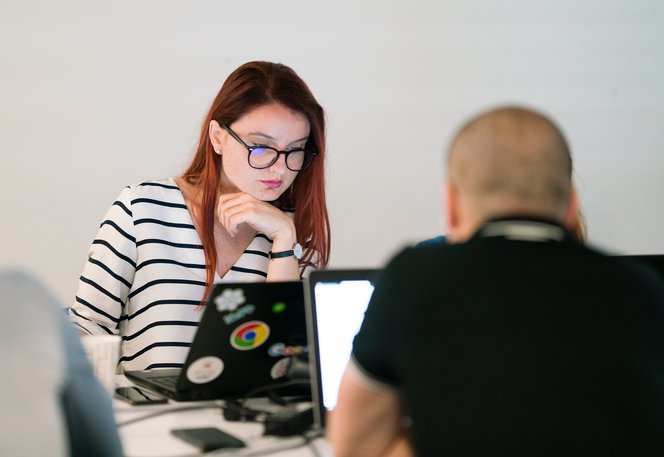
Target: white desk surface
column 152, row 437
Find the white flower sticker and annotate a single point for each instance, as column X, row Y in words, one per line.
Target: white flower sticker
column 229, row 300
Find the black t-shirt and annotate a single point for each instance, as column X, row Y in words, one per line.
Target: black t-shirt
column 520, row 342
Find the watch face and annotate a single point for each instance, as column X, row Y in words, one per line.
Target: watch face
column 297, row 251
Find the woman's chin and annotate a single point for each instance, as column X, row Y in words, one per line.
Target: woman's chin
column 267, row 195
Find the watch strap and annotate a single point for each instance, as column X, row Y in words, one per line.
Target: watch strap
column 280, row 254
column 295, row 252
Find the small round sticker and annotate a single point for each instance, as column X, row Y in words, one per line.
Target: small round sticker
column 205, row 369
column 276, row 350
column 280, row 369
column 250, row 335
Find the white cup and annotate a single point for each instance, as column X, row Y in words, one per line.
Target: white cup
column 103, row 351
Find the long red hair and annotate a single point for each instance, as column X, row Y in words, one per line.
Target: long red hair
column 252, row 85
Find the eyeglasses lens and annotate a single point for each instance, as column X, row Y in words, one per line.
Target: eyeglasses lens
column 265, row 157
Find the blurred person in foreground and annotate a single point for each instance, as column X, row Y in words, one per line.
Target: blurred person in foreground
column 52, row 404
column 515, row 339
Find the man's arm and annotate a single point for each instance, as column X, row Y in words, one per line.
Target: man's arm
column 367, row 420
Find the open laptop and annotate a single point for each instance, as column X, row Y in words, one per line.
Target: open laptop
column 248, row 337
column 335, row 303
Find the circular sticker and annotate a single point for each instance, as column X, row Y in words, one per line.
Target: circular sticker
column 205, row 369
column 280, row 369
column 250, row 335
column 276, row 350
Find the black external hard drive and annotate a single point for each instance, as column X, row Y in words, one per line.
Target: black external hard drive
column 208, row 438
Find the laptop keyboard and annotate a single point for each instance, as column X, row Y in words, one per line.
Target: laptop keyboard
column 169, row 382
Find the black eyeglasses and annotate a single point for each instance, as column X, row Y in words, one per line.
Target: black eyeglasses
column 262, row 156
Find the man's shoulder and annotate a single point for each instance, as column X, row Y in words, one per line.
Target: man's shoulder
column 645, row 269
column 418, row 263
column 435, row 241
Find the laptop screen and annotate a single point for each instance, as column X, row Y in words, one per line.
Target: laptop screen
column 337, row 300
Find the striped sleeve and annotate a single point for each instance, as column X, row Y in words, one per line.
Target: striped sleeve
column 108, row 273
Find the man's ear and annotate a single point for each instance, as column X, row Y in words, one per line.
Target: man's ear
column 451, row 211
column 572, row 209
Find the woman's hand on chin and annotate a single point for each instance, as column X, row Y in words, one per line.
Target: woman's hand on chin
column 241, row 208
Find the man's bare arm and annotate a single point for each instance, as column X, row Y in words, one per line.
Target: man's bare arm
column 367, row 420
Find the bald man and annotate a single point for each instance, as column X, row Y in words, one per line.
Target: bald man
column 515, row 339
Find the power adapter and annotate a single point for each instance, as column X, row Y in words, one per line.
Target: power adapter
column 292, row 420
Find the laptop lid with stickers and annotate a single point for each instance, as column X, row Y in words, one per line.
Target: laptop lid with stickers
column 335, row 303
column 248, row 338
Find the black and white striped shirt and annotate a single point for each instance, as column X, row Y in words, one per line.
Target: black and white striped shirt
column 145, row 276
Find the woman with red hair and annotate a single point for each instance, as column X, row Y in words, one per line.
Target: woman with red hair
column 250, row 207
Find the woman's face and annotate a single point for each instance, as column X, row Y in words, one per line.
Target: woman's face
column 270, row 125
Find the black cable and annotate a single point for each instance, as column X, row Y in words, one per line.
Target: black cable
column 274, row 450
column 307, row 438
column 306, row 441
column 175, row 409
column 309, row 441
column 238, row 411
column 244, row 413
column 235, row 411
column 313, row 448
column 247, row 452
column 271, row 387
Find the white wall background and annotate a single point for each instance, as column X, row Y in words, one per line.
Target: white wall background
column 97, row 95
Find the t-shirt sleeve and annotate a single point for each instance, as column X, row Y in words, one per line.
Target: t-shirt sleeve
column 375, row 347
column 104, row 285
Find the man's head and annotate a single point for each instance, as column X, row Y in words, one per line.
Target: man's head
column 508, row 161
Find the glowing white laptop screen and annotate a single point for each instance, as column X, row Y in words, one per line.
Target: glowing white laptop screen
column 338, row 302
